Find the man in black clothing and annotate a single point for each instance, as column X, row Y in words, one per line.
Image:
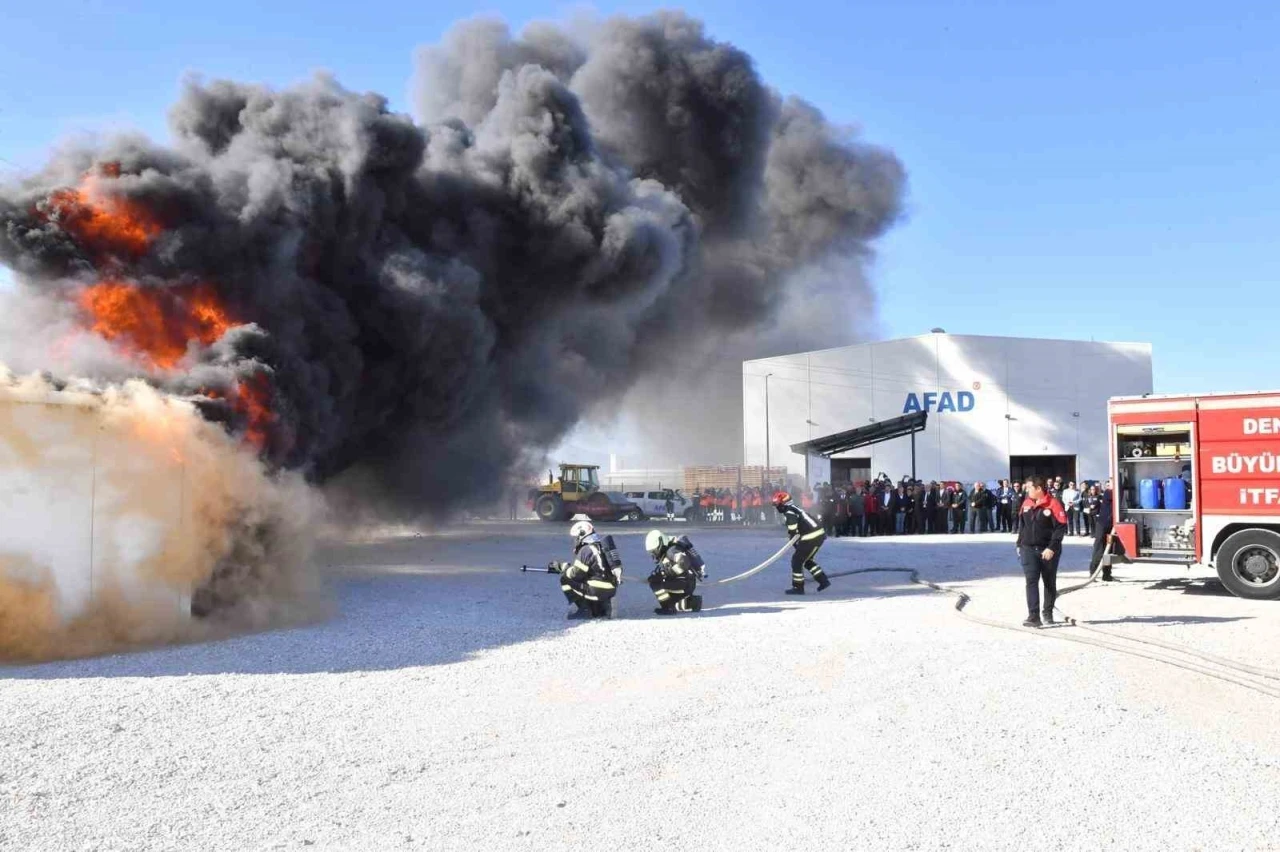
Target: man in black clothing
column 858, row 513
column 827, row 510
column 1005, row 497
column 889, row 499
column 1102, row 528
column 918, row 521
column 958, row 501
column 1042, row 524
column 811, row 537
column 979, row 513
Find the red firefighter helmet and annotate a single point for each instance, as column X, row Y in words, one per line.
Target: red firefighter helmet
column 781, row 498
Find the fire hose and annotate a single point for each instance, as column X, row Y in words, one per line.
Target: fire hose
column 551, row 569
column 1199, row 662
column 756, row 570
column 1227, row 670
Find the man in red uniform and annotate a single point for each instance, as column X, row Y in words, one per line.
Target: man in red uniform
column 1042, row 524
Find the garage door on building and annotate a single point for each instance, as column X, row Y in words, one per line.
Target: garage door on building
column 1022, row 467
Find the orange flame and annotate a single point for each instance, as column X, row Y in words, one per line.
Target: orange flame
column 250, row 399
column 105, row 225
column 155, row 324
column 253, row 401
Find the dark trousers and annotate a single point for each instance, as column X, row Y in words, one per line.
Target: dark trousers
column 1073, row 521
column 978, row 521
column 805, row 556
column 1099, row 548
column 1006, row 517
column 1089, row 524
column 672, row 590
column 1036, row 568
column 957, row 520
column 590, row 593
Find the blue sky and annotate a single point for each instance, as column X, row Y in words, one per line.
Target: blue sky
column 1088, row 169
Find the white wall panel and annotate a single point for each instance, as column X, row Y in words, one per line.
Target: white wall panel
column 46, row 498
column 1026, row 395
column 81, row 507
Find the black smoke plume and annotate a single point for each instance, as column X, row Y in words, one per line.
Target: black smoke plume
column 432, row 302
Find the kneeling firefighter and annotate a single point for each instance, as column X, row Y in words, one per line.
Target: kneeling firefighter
column 591, row 580
column 811, row 535
column 678, row 568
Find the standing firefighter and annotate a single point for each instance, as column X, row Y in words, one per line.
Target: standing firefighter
column 811, row 537
column 1042, row 524
column 676, row 572
column 591, row 580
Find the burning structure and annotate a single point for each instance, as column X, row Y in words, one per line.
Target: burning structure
column 401, row 312
column 123, row 512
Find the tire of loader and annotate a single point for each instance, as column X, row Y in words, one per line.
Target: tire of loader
column 549, row 508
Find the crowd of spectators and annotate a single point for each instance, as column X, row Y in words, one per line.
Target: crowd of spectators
column 746, row 505
column 881, row 507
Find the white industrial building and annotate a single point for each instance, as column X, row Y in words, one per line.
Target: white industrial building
column 996, row 406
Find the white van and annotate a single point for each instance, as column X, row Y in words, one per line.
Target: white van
column 654, row 503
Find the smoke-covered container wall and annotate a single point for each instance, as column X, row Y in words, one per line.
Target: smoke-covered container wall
column 46, row 502
column 122, row 507
column 91, row 513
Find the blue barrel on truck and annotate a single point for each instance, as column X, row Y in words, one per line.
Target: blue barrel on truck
column 1149, row 494
column 1175, row 493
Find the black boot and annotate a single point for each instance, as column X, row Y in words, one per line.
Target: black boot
column 578, row 614
column 662, row 610
column 1047, row 615
column 695, row 603
column 794, row 590
column 1106, row 575
column 823, row 583
column 1033, row 620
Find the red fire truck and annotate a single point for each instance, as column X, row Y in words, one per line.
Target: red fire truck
column 1197, row 482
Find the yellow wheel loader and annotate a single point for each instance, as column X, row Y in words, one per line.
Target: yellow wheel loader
column 577, row 492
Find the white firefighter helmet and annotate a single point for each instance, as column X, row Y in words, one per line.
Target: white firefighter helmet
column 581, row 530
column 654, row 542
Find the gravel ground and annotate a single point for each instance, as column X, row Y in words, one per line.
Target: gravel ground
column 451, row 706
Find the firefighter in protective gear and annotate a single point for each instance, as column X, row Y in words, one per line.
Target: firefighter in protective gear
column 676, row 573
column 588, row 582
column 806, row 549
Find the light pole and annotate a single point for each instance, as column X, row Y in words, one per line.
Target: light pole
column 767, row 465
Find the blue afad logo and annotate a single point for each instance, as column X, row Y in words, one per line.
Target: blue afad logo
column 961, row 401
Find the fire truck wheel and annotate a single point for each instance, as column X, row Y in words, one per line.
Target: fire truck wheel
column 1249, row 564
